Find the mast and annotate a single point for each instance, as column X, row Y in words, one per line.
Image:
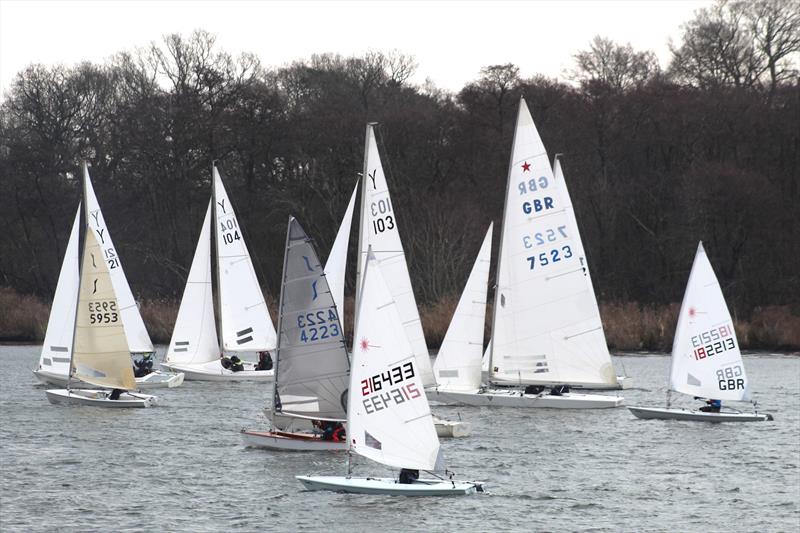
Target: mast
column 215, row 289
column 496, row 305
column 361, row 228
column 81, row 245
column 280, row 323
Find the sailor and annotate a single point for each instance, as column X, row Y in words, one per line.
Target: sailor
column 115, row 394
column 143, row 366
column 236, row 364
column 408, row 476
column 328, row 430
column 224, row 361
column 339, row 434
column 712, row 406
column 559, row 390
column 264, row 361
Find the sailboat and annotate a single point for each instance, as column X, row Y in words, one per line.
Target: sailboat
column 244, row 321
column 53, row 367
column 706, row 361
column 378, row 231
column 546, row 332
column 311, row 367
column 388, row 416
column 100, row 354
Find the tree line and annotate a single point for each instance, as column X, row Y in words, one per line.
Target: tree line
column 656, row 159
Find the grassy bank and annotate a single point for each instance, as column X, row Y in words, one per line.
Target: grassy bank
column 628, row 326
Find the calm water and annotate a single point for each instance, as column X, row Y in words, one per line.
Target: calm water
column 181, row 466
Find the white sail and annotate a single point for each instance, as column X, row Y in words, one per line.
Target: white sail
column 378, row 229
column 57, row 345
column 547, row 327
column 194, row 339
column 706, row 360
column 100, row 353
column 311, row 368
column 244, row 317
column 458, row 365
column 336, row 265
column 135, row 331
column 389, row 419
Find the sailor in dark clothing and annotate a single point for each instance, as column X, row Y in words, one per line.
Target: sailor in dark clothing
column 115, row 393
column 143, row 366
column 712, row 406
column 559, row 390
column 224, row 361
column 264, row 361
column 408, row 476
column 236, row 364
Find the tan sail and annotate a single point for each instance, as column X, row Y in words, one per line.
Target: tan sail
column 101, row 356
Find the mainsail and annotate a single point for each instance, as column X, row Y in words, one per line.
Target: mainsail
column 458, row 364
column 706, row 360
column 135, row 331
column 100, row 353
column 378, row 230
column 244, row 317
column 389, row 419
column 57, row 345
column 194, row 339
column 336, row 265
column 311, row 369
column 547, row 327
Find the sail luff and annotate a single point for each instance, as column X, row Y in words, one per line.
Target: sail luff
column 336, row 265
column 276, row 405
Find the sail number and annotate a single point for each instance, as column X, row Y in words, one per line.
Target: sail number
column 533, row 185
column 103, row 312
column 381, row 219
column 111, row 258
column 230, row 231
column 318, row 326
column 712, row 342
column 373, row 388
column 729, row 378
column 541, row 237
column 550, row 257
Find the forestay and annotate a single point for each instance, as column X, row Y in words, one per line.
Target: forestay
column 135, row 331
column 378, row 229
column 194, row 339
column 547, row 327
column 57, row 345
column 100, row 354
column 311, row 369
column 244, row 317
column 389, row 419
column 706, row 360
column 336, row 265
column 458, row 364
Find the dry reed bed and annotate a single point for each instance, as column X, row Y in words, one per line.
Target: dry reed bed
column 629, row 326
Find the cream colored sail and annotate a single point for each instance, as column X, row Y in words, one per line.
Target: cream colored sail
column 547, row 327
column 378, row 229
column 138, row 338
column 706, row 360
column 389, row 419
column 336, row 265
column 100, row 355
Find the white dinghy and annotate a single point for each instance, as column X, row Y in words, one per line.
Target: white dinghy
column 100, row 354
column 53, row 367
column 311, row 367
column 547, row 332
column 706, row 360
column 388, row 416
column 244, row 321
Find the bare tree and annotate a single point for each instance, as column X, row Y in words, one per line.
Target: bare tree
column 614, row 65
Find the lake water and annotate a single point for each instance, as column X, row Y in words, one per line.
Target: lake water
column 181, row 466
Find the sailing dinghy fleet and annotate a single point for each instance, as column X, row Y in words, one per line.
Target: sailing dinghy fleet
column 547, row 350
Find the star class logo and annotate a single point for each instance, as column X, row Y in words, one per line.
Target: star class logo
column 364, row 345
column 526, row 167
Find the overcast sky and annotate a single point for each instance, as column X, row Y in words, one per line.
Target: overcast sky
column 450, row 41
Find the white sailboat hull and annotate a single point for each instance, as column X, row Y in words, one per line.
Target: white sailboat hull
column 677, row 413
column 451, row 429
column 99, row 398
column 516, row 398
column 153, row 380
column 213, row 371
column 287, row 441
column 390, row 486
